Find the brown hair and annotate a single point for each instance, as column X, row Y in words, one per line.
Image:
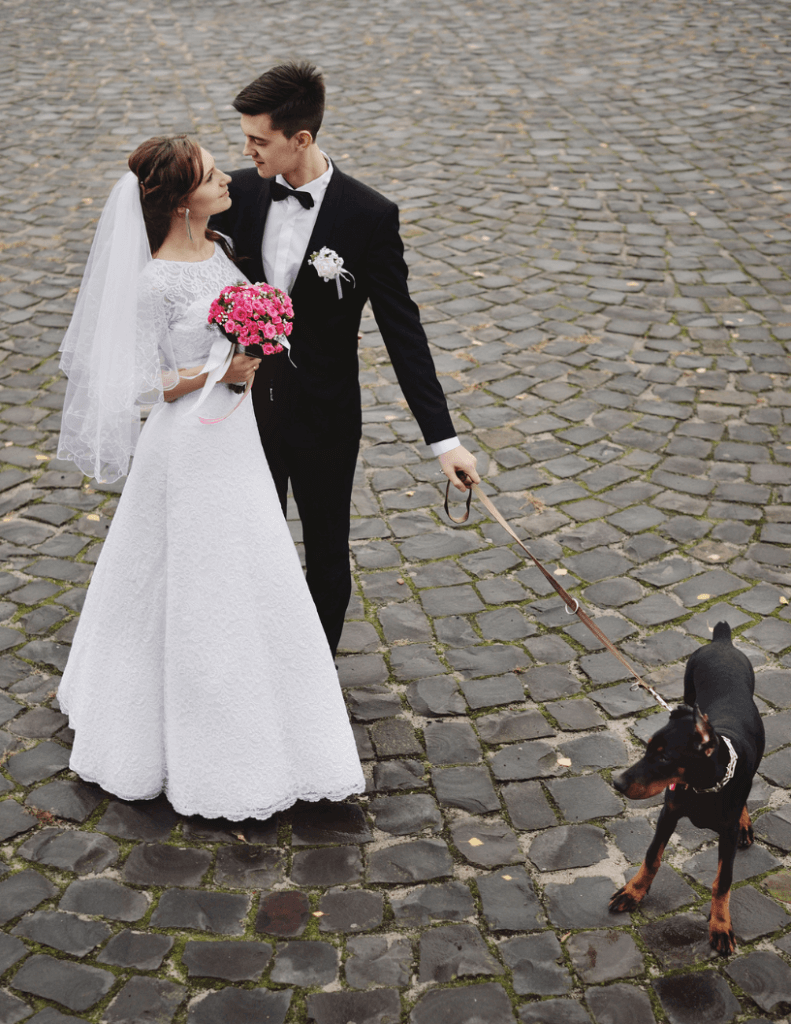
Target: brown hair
column 169, row 169
column 291, row 94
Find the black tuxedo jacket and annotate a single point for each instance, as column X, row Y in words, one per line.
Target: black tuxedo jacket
column 316, row 402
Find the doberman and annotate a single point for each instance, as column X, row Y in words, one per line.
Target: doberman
column 705, row 759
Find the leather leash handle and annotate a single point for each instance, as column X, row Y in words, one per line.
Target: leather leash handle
column 572, row 604
column 465, row 480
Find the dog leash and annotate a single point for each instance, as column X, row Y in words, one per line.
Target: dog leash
column 572, row 604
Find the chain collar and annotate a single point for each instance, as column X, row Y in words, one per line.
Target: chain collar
column 728, row 771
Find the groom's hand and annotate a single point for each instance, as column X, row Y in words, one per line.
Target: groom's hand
column 459, row 459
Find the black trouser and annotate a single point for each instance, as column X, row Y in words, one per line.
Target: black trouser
column 321, row 481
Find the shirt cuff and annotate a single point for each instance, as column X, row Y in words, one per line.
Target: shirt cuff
column 440, row 447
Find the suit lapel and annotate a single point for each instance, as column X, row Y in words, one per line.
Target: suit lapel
column 328, row 211
column 256, row 222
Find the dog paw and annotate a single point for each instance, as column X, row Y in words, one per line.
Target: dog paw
column 722, row 940
column 746, row 837
column 623, row 901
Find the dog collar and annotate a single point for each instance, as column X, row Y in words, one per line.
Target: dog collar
column 731, row 768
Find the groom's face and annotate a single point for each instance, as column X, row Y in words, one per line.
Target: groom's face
column 271, row 151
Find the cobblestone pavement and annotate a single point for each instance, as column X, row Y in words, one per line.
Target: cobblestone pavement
column 594, row 196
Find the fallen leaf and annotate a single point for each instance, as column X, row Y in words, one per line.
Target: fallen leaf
column 565, row 761
column 93, row 517
column 507, row 877
column 41, row 458
column 561, row 572
column 410, row 494
column 239, row 836
column 400, row 582
column 783, row 600
column 564, row 937
column 475, row 842
column 318, row 913
column 703, row 597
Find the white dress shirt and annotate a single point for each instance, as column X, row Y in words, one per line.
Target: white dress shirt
column 288, row 229
column 284, row 246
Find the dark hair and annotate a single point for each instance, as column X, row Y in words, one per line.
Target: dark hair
column 169, row 169
column 291, row 94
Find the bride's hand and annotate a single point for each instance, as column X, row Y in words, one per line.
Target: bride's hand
column 241, row 370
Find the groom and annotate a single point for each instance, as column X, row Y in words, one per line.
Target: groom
column 293, row 203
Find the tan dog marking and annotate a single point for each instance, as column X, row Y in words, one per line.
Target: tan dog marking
column 629, row 896
column 746, row 835
column 721, row 934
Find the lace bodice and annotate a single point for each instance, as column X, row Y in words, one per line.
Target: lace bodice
column 174, row 302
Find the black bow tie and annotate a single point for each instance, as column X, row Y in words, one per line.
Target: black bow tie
column 283, row 192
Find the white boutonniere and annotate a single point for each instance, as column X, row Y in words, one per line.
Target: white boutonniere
column 329, row 266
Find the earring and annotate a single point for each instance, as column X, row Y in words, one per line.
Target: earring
column 187, row 221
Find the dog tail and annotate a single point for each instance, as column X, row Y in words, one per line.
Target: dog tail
column 722, row 631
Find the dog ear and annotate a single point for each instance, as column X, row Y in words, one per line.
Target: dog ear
column 704, row 732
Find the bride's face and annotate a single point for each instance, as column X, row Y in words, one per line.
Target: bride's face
column 211, row 196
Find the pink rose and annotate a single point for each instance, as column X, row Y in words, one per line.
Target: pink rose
column 269, row 348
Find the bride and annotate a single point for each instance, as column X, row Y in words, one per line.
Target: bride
column 199, row 667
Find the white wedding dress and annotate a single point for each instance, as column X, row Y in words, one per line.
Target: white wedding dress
column 199, row 666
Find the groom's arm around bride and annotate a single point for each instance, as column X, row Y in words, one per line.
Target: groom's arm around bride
column 291, row 204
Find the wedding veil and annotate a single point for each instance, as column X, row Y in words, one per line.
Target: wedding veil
column 110, row 356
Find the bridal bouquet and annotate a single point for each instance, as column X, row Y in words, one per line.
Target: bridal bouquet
column 256, row 317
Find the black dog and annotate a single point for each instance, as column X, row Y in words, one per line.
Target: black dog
column 705, row 759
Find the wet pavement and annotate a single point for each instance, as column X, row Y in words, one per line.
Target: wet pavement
column 595, row 200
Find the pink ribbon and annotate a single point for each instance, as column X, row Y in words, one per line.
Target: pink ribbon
column 246, row 392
